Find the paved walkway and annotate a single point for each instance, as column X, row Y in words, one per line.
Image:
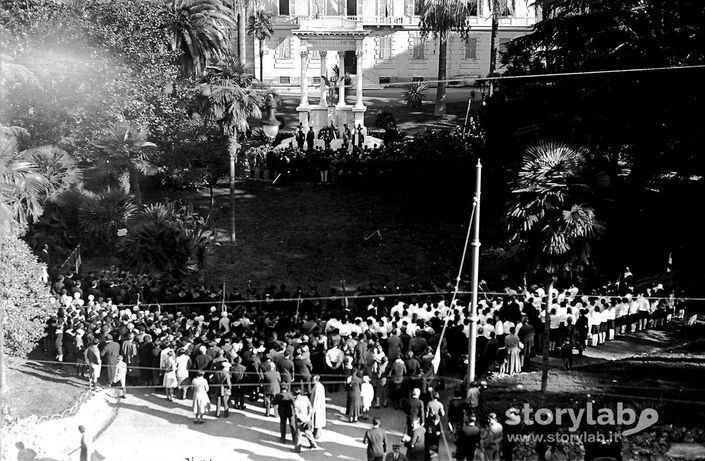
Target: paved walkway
column 148, row 427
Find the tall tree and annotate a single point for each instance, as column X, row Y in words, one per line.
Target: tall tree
column 22, row 188
column 551, row 213
column 231, row 102
column 125, row 153
column 439, row 18
column 200, row 29
column 498, row 9
column 260, row 28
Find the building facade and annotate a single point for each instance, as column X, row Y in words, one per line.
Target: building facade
column 392, row 50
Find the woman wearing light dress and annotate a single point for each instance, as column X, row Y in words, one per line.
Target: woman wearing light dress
column 367, row 394
column 170, row 382
column 183, row 363
column 513, row 345
column 201, row 401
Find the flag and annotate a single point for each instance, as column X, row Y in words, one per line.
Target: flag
column 436, row 359
column 77, row 261
column 669, row 264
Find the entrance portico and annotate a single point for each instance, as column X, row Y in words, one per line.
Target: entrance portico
column 323, row 35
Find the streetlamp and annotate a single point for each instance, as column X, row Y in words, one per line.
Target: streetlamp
column 270, row 124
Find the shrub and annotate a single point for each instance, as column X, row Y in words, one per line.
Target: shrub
column 415, row 94
column 165, row 239
column 21, row 283
column 385, row 120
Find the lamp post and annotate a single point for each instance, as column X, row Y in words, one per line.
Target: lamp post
column 270, row 124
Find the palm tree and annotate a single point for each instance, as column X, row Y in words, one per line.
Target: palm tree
column 231, row 102
column 260, row 28
column 124, row 148
column 200, row 30
column 439, row 18
column 241, row 6
column 551, row 213
column 22, row 188
column 498, row 9
column 57, row 166
column 101, row 215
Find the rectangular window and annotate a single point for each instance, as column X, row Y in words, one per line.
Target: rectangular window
column 316, row 81
column 418, row 7
column 417, row 79
column 472, row 7
column 285, row 80
column 417, row 48
column 408, row 7
column 283, row 50
column 283, row 7
column 314, row 54
column 471, row 49
column 385, row 47
column 385, row 80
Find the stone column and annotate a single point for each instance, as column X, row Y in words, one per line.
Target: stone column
column 324, row 70
column 304, row 82
column 358, row 53
column 341, row 76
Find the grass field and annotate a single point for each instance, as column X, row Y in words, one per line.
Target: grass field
column 303, row 234
column 38, row 390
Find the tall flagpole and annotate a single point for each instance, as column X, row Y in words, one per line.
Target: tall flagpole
column 472, row 346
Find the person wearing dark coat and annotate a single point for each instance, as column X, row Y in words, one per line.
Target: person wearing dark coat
column 237, row 377
column 468, row 440
column 271, row 385
column 415, row 410
column 223, row 387
column 285, row 367
column 416, row 446
column 130, row 353
column 145, row 357
column 526, row 336
column 302, row 372
column 310, row 139
column 376, row 441
column 354, row 397
column 109, row 356
column 284, row 400
column 489, row 357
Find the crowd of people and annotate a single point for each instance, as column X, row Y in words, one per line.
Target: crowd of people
column 345, row 156
column 288, row 349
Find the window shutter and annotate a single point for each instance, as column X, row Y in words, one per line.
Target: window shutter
column 471, row 49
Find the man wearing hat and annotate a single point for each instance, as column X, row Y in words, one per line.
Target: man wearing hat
column 468, row 440
column 303, row 411
column 284, row 401
column 109, row 357
column 396, row 454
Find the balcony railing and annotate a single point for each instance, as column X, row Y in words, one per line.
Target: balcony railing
column 400, row 21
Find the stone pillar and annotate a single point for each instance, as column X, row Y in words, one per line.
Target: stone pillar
column 341, row 76
column 324, row 70
column 359, row 108
column 304, row 82
column 358, row 53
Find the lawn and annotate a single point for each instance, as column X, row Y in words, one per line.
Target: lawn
column 302, row 234
column 38, row 390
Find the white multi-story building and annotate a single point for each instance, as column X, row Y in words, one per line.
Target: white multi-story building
column 393, row 50
column 376, row 42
